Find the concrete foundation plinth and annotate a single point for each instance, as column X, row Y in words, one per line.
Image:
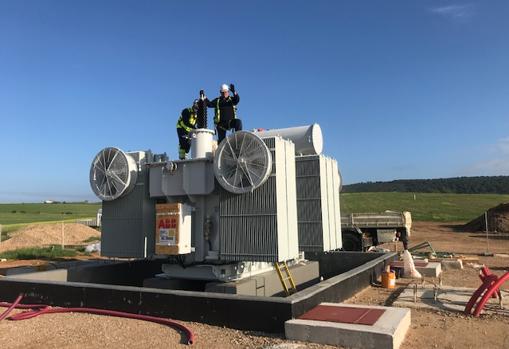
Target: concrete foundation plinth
column 387, row 332
column 452, row 264
column 117, row 285
column 268, row 284
column 428, row 269
column 448, row 298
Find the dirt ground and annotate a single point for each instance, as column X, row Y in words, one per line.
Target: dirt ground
column 37, row 235
column 429, row 329
column 497, row 220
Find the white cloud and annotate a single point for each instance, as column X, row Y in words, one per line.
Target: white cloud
column 502, row 146
column 455, row 12
column 495, row 162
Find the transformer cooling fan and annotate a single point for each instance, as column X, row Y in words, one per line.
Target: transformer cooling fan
column 242, row 162
column 112, row 174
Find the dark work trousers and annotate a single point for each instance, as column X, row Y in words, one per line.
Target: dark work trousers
column 235, row 124
column 403, row 237
column 184, row 141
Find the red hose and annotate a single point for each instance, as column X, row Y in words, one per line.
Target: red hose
column 11, row 307
column 40, row 309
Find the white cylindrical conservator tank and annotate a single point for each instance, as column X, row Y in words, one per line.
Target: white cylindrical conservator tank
column 201, row 143
column 308, row 140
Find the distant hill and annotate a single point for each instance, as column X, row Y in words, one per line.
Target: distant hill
column 459, row 185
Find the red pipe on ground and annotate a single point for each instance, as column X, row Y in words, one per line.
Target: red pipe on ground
column 11, row 307
column 40, row 309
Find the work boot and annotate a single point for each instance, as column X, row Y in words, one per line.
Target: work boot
column 182, row 154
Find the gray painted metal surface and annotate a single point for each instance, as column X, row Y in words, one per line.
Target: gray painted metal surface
column 128, row 223
column 304, row 274
column 182, row 178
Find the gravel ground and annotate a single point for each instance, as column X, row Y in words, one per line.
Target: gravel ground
column 429, row 329
column 93, row 331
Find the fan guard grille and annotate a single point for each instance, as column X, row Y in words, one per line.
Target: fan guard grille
column 242, row 163
column 112, row 174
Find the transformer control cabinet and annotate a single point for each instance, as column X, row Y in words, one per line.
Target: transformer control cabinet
column 173, row 229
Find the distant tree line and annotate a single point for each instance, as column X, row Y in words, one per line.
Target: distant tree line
column 458, row 185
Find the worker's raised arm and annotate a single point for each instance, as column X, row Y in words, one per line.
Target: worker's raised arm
column 212, row 103
column 235, row 99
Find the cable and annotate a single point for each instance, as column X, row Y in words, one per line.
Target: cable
column 11, row 307
column 41, row 309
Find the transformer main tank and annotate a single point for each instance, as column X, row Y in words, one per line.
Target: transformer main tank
column 229, row 211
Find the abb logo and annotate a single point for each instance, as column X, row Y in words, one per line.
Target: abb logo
column 167, row 223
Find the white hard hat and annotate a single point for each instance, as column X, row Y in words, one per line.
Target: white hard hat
column 224, row 87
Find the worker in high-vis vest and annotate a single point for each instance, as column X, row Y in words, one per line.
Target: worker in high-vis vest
column 225, row 109
column 185, row 124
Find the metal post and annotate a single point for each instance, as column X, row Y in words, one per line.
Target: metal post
column 486, row 226
column 62, row 231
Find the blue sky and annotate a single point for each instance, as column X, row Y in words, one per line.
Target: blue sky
column 402, row 89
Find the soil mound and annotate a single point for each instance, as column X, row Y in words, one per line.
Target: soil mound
column 38, row 235
column 498, row 220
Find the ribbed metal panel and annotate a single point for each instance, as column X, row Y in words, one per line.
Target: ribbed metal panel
column 128, row 223
column 329, row 177
column 318, row 203
column 337, row 206
column 262, row 225
column 291, row 201
column 313, row 235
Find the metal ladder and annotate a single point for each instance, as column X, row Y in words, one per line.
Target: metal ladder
column 283, row 267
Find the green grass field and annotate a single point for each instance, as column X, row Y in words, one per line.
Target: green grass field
column 426, row 206
column 13, row 216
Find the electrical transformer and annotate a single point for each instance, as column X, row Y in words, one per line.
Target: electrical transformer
column 230, row 210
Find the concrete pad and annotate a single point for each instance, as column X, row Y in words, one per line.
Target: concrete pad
column 451, row 264
column 448, row 299
column 387, row 332
column 285, row 346
column 268, row 283
column 428, row 269
column 49, row 275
